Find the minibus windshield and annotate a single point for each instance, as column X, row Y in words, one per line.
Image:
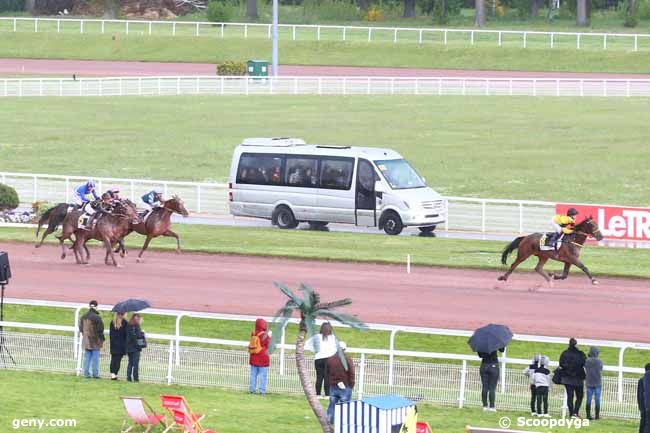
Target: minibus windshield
column 399, row 174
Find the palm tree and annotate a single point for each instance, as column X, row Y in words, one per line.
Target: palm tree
column 310, row 308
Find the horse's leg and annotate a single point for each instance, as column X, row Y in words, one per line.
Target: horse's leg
column 172, row 234
column 565, row 272
column 62, row 245
column 144, row 247
column 109, row 251
column 521, row 257
column 540, row 268
column 47, row 232
column 584, row 269
column 77, row 253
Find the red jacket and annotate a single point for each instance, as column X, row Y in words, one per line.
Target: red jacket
column 261, row 359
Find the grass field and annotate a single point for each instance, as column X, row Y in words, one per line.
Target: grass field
column 97, row 409
column 582, row 149
column 458, row 55
column 240, row 330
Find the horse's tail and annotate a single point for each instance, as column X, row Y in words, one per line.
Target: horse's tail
column 54, row 215
column 509, row 249
column 44, row 218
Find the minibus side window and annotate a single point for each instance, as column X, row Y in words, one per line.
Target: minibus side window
column 260, row 169
column 302, row 172
column 336, row 173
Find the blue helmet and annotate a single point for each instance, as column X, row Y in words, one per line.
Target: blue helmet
column 90, row 183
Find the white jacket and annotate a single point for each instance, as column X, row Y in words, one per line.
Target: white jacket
column 326, row 348
column 543, row 377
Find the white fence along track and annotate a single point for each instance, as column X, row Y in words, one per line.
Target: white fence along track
column 465, row 214
column 450, row 379
column 317, row 32
column 324, row 85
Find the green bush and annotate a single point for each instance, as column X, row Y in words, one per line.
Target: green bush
column 643, row 10
column 330, row 10
column 8, row 198
column 231, row 68
column 218, row 12
column 12, row 5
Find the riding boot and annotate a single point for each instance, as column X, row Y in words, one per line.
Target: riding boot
column 597, row 411
column 588, row 408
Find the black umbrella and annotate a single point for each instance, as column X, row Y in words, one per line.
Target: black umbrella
column 131, row 305
column 490, row 338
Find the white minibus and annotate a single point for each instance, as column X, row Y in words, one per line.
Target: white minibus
column 288, row 182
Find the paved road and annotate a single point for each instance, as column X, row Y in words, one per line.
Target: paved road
column 114, row 69
column 429, row 296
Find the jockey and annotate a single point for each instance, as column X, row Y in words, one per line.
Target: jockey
column 563, row 224
column 114, row 193
column 152, row 200
column 94, row 209
column 81, row 193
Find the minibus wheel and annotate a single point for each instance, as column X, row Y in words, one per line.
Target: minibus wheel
column 284, row 218
column 392, row 223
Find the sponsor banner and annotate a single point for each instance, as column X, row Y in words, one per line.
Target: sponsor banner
column 615, row 222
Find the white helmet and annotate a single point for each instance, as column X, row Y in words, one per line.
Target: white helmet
column 90, row 182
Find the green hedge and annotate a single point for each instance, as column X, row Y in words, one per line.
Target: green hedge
column 12, row 5
column 231, row 68
column 8, row 198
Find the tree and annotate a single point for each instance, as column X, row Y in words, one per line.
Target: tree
column 409, row 8
column 251, row 9
column 479, row 16
column 310, row 308
column 582, row 13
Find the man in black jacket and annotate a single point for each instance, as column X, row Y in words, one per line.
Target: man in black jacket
column 91, row 327
column 572, row 362
column 643, row 397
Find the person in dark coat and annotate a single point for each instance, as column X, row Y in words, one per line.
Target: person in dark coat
column 134, row 340
column 643, row 398
column 489, row 378
column 594, row 381
column 572, row 362
column 118, row 343
column 91, row 327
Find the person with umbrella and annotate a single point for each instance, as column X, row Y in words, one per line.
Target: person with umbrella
column 487, row 341
column 118, row 343
column 135, row 339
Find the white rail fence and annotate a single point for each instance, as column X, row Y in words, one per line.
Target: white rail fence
column 465, row 214
column 219, row 85
column 509, row 38
column 450, row 379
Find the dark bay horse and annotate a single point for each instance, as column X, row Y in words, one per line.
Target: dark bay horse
column 568, row 253
column 109, row 229
column 158, row 223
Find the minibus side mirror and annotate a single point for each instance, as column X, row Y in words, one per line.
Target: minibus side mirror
column 379, row 186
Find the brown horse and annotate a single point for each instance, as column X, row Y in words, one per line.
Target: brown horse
column 158, row 223
column 109, row 229
column 568, row 253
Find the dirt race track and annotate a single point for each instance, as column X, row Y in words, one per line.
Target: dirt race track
column 436, row 297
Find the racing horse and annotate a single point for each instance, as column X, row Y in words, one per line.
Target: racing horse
column 109, row 228
column 54, row 217
column 158, row 223
column 568, row 252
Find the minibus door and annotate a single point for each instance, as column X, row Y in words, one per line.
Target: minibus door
column 365, row 205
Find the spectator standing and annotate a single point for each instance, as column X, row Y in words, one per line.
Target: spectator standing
column 323, row 345
column 542, row 381
column 91, row 327
column 339, row 380
column 135, row 342
column 594, row 380
column 259, row 359
column 572, row 362
column 530, row 373
column 117, row 333
column 489, row 378
column 643, row 398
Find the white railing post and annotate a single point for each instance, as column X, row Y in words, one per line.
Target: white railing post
column 552, row 39
column 282, row 351
column 150, row 28
column 472, row 37
column 318, row 33
column 344, row 31
column 170, row 363
column 197, row 29
column 499, row 38
column 103, row 25
column 395, row 36
column 463, row 380
column 174, row 28
column 198, row 195
column 636, row 42
column 58, row 26
column 369, row 34
column 420, row 37
column 578, row 42
column 127, row 27
column 245, row 31
column 362, row 376
column 36, row 25
column 525, row 39
column 605, row 41
column 77, row 311
column 222, row 30
column 82, row 353
column 620, row 373
column 294, row 33
column 15, row 24
column 445, row 37
column 504, row 366
column 177, row 338
column 81, row 26
column 391, row 355
column 483, row 206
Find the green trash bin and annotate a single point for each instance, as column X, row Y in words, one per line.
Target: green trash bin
column 257, row 68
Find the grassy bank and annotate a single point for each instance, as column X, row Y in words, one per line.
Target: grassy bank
column 459, row 54
column 54, row 396
column 368, row 248
column 556, row 149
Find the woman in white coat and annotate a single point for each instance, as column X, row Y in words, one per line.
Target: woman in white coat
column 323, row 345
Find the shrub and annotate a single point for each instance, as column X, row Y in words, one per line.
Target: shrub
column 218, row 12
column 329, row 10
column 8, row 198
column 374, row 14
column 12, row 5
column 643, row 10
column 231, row 68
